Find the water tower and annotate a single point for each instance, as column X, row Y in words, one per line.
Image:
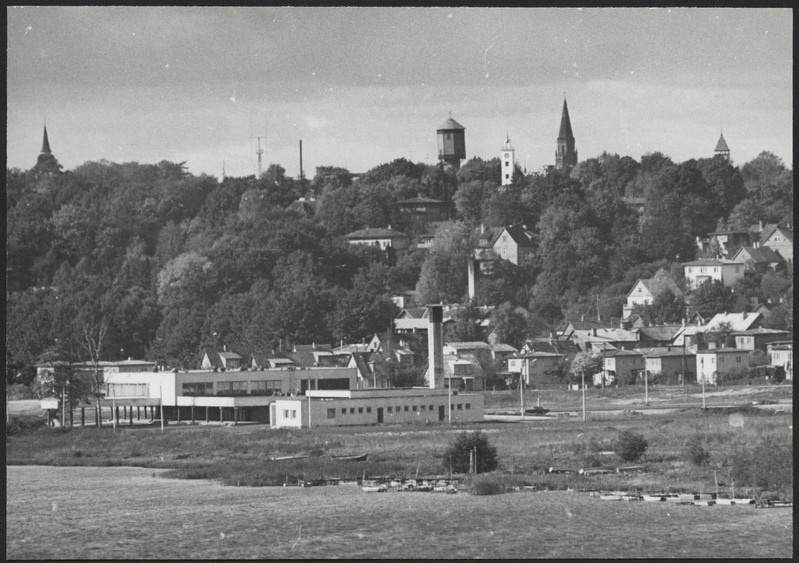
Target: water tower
column 451, row 142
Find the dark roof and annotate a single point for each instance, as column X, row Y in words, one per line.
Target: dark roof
column 710, row 262
column 46, row 143
column 659, row 352
column 421, row 199
column 565, row 124
column 303, row 206
column 759, row 331
column 376, row 233
column 518, row 233
column 659, row 333
column 769, row 230
column 721, row 146
column 302, row 354
column 761, row 254
column 362, row 363
column 450, row 124
column 261, row 359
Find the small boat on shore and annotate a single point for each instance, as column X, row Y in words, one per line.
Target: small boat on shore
column 734, row 501
column 373, row 487
column 287, row 457
column 351, row 457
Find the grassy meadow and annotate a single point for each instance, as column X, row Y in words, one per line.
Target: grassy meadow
column 128, row 513
column 241, row 455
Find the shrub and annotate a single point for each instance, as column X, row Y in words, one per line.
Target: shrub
column 769, row 465
column 695, row 451
column 630, row 445
column 457, row 453
column 487, row 486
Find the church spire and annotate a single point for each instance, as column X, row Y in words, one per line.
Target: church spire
column 721, row 148
column 566, row 154
column 565, row 124
column 46, row 143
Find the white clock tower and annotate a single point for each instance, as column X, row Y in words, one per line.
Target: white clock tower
column 507, row 162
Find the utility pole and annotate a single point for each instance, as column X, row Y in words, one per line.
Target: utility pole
column 582, row 376
column 521, row 383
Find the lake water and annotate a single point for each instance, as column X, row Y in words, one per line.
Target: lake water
column 123, row 512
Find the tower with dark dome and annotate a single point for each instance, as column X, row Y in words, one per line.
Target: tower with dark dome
column 451, row 142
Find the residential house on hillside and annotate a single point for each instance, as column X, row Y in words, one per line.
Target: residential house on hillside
column 566, row 347
column 310, row 355
column 401, row 348
column 512, row 243
column 533, row 365
column 712, row 363
column 725, row 242
column 700, row 271
column 687, row 335
column 269, row 360
column 425, row 209
column 670, row 363
column 500, row 351
column 655, row 336
column 462, row 373
column 605, row 339
column 624, row 365
column 222, row 360
column 781, row 354
column 757, row 339
column 779, row 239
column 382, row 238
column 645, row 290
column 464, row 348
column 758, row 259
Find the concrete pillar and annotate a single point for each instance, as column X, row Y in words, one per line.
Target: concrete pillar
column 192, row 414
column 206, row 415
column 115, row 414
column 220, row 414
column 177, row 408
column 235, row 416
column 82, row 416
column 138, row 413
column 130, row 416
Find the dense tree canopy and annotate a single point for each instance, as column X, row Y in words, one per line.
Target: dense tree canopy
column 159, row 261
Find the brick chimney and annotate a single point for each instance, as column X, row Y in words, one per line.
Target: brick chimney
column 435, row 347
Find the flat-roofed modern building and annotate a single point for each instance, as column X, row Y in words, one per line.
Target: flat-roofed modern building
column 420, row 405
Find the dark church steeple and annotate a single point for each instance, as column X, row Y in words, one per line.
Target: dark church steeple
column 566, row 154
column 46, row 161
column 46, row 143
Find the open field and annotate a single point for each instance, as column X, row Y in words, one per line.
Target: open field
column 121, row 512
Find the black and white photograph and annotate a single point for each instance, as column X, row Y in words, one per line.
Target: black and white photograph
column 372, row 282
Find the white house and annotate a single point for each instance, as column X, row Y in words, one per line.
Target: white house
column 381, row 238
column 645, row 290
column 782, row 355
column 717, row 361
column 700, row 271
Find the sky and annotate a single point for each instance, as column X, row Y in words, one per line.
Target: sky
column 364, row 86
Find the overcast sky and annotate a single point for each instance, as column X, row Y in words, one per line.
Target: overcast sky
column 363, row 86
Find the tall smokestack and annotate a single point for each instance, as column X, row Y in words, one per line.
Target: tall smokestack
column 301, row 175
column 435, row 348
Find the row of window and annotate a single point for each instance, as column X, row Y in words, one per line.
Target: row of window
column 331, row 413
column 265, row 387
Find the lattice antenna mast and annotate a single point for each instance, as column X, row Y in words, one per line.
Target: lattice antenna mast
column 259, row 151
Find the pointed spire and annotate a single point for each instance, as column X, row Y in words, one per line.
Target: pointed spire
column 46, row 142
column 721, row 146
column 565, row 123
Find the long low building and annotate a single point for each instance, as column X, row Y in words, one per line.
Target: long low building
column 224, row 396
column 376, row 406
